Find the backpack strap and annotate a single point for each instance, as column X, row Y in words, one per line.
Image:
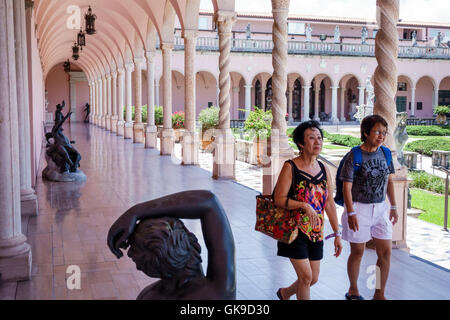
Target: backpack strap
column 357, row 158
column 388, row 155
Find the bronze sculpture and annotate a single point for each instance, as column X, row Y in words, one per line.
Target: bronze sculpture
column 162, row 247
column 87, row 109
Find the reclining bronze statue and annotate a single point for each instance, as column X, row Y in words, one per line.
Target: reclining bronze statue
column 162, row 247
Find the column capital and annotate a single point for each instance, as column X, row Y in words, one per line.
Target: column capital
column 120, row 71
column 225, row 20
column 129, row 67
column 413, row 88
column 306, row 87
column 189, row 34
column 280, row 5
column 361, row 88
column 334, row 87
column 114, row 74
column 248, row 86
column 139, row 61
column 166, row 46
column 150, row 55
column 108, row 77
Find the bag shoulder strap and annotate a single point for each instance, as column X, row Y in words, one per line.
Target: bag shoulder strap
column 388, row 155
column 357, row 158
column 292, row 181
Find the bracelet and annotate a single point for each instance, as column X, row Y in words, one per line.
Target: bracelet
column 394, row 208
column 351, row 213
column 336, row 234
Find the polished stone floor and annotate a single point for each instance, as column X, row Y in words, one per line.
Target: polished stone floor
column 74, row 219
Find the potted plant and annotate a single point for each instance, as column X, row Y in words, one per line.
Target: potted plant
column 442, row 112
column 258, row 126
column 178, row 124
column 159, row 119
column 209, row 118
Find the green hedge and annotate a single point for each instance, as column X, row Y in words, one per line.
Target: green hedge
column 426, row 181
column 342, row 139
column 428, row 130
column 425, row 146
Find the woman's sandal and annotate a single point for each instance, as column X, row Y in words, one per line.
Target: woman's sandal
column 279, row 294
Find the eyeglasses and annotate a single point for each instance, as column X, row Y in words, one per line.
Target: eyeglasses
column 384, row 133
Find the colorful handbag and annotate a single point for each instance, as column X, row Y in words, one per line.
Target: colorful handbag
column 278, row 223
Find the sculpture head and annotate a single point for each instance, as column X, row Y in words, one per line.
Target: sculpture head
column 164, row 248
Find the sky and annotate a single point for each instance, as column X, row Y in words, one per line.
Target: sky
column 410, row 10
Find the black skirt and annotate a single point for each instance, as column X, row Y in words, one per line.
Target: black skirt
column 301, row 248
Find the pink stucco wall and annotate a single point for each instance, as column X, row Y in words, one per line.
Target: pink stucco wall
column 57, row 85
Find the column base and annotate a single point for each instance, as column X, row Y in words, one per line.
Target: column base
column 108, row 123
column 190, row 143
column 400, row 180
column 128, row 130
column 224, row 155
column 15, row 259
column 103, row 122
column 316, row 118
column 151, row 141
column 138, row 133
column 28, row 203
column 334, row 120
column 278, row 152
column 114, row 123
column 120, row 128
column 167, row 142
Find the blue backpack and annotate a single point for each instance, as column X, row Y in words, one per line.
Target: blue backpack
column 357, row 162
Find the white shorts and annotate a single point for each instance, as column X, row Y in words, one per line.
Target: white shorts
column 373, row 222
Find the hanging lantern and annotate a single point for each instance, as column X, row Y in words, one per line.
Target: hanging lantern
column 81, row 39
column 67, row 66
column 90, row 21
column 75, row 50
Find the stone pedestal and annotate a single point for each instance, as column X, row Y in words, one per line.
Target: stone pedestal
column 28, row 203
column 120, row 128
column 114, row 120
column 128, row 130
column 167, row 142
column 151, row 133
column 138, row 133
column 108, row 122
column 190, row 142
column 401, row 196
column 15, row 259
column 224, row 155
column 103, row 122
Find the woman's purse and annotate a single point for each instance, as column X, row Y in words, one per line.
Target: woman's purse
column 278, row 223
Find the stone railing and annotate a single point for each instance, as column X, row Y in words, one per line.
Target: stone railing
column 315, row 48
column 421, row 121
column 410, row 159
column 441, row 158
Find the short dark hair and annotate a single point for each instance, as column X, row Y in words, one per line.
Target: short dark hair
column 299, row 133
column 369, row 122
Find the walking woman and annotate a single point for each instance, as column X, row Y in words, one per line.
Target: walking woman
column 305, row 183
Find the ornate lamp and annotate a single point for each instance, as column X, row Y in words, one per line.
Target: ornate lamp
column 67, row 66
column 90, row 21
column 81, row 39
column 323, row 37
column 75, row 50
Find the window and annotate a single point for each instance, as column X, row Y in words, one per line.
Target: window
column 402, row 86
column 296, row 28
column 419, row 105
column 401, row 104
column 203, row 23
column 374, row 33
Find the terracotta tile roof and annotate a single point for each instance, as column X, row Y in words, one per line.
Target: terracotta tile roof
column 327, row 19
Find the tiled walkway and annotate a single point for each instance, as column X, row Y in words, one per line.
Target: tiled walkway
column 73, row 221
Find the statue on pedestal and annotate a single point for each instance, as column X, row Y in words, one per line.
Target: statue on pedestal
column 162, row 247
column 365, row 110
column 337, row 35
column 308, row 32
column 414, row 38
column 87, row 109
column 62, row 158
column 401, row 136
column 364, row 35
column 438, row 39
column 248, row 32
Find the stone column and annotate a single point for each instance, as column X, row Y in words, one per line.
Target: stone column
column 104, row 102
column 93, row 103
column 224, row 151
column 385, row 89
column 138, row 126
column 120, row 103
column 28, row 198
column 108, row 102
column 279, row 149
column 361, row 95
column 343, row 90
column 129, row 101
column 100, row 102
column 436, row 97
column 73, row 98
column 334, row 118
column 190, row 141
column 263, row 95
column 167, row 135
column 15, row 253
column 248, row 99
column 413, row 101
column 151, row 131
column 290, row 94
column 306, row 103
column 316, row 100
column 157, row 100
column 114, row 116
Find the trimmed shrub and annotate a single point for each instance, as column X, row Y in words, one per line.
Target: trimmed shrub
column 426, row 181
column 342, row 139
column 158, row 115
column 428, row 130
column 209, row 118
column 259, row 123
column 425, row 146
column 178, row 120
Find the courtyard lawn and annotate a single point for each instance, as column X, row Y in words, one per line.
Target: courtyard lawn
column 431, row 204
column 334, row 147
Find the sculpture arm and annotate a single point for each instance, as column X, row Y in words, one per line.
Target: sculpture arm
column 195, row 204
